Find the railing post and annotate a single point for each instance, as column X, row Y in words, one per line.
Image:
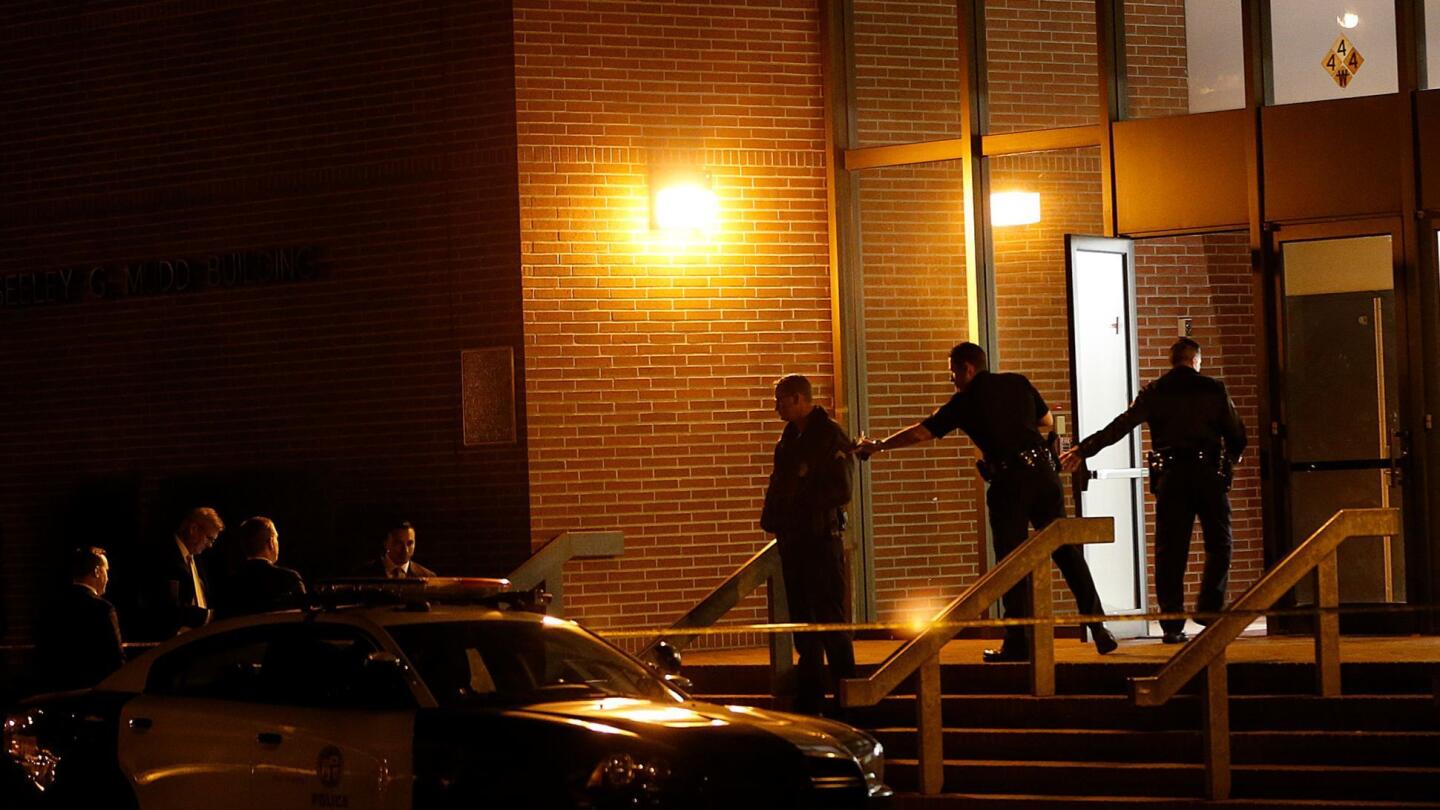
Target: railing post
column 1042, row 634
column 1327, row 626
column 1217, row 730
column 931, row 725
column 782, row 660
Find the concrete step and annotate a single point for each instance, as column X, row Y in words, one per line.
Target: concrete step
column 997, row 801
column 1407, row 748
column 1245, row 678
column 1071, row 778
column 1183, row 713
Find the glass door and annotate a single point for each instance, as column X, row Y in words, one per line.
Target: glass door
column 1105, row 377
column 1341, row 428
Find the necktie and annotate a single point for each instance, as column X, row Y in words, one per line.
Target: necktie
column 195, row 577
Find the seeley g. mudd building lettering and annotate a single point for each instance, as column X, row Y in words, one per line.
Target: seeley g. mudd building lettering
column 150, row 277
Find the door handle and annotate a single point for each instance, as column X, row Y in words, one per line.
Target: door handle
column 269, row 738
column 140, row 723
column 1399, row 456
column 1120, row 472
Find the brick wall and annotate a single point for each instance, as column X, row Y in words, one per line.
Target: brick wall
column 1156, row 77
column 907, row 86
column 1207, row 279
column 913, row 269
column 1041, row 57
column 381, row 134
column 650, row 359
column 1031, row 310
column 928, row 541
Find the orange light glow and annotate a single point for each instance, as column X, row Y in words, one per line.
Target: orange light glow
column 686, row 205
column 1014, row 208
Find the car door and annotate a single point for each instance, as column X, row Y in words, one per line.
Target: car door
column 337, row 725
column 189, row 738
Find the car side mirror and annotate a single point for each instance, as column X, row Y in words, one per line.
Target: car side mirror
column 679, row 682
column 383, row 677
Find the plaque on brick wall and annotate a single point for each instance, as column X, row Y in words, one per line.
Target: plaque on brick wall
column 487, row 386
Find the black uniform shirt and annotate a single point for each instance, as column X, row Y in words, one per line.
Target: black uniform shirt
column 810, row 481
column 1186, row 411
column 999, row 412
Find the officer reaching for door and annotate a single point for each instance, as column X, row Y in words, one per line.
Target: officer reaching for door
column 1196, row 438
column 1004, row 415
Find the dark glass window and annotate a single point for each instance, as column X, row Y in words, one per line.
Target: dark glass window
column 293, row 664
column 511, row 662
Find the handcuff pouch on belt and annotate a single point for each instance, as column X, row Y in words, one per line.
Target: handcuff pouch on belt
column 1162, row 461
column 1041, row 458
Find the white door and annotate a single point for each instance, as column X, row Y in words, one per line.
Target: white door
column 192, row 734
column 176, row 750
column 1105, row 376
column 273, row 716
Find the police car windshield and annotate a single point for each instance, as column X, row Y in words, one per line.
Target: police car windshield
column 511, row 662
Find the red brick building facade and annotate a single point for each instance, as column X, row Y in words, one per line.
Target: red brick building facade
column 475, row 175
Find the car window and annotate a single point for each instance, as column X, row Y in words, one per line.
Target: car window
column 296, row 664
column 512, row 662
column 223, row 667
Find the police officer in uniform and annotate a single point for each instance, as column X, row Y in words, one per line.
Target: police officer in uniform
column 1004, row 415
column 804, row 508
column 1196, row 437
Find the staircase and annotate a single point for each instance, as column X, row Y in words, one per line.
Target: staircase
column 1089, row 746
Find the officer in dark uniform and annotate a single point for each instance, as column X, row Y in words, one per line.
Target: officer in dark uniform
column 1196, row 437
column 804, row 508
column 1004, row 415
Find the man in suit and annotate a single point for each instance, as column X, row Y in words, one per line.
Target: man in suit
column 259, row 585
column 397, row 560
column 78, row 642
column 178, row 598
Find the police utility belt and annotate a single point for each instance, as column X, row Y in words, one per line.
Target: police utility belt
column 1039, row 458
column 1168, row 459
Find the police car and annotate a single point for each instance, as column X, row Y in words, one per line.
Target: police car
column 419, row 703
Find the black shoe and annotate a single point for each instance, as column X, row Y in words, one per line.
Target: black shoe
column 1006, row 654
column 1177, row 637
column 1105, row 642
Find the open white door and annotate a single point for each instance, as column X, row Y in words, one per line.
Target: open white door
column 1105, row 376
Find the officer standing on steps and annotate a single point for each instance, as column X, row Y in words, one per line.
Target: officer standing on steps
column 1004, row 414
column 804, row 508
column 1196, row 438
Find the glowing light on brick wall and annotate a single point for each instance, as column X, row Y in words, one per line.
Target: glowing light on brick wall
column 1014, row 208
column 683, row 200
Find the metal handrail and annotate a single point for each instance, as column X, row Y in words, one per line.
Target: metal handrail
column 544, row 566
column 1207, row 651
column 1030, row 560
column 761, row 569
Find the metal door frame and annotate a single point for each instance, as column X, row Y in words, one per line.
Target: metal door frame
column 1275, row 462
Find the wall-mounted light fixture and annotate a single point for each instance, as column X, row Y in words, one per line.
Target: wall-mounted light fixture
column 682, row 200
column 1014, row 208
column 1348, row 20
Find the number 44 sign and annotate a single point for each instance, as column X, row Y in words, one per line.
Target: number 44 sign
column 1343, row 61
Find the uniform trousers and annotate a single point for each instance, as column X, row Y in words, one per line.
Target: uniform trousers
column 1022, row 496
column 814, row 572
column 1187, row 490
